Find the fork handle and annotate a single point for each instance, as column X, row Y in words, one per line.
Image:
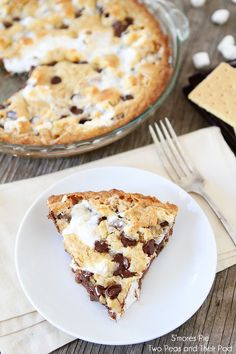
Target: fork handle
column 220, row 216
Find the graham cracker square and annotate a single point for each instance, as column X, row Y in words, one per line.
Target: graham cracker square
column 217, row 93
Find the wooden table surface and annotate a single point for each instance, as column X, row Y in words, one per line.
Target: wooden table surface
column 215, row 322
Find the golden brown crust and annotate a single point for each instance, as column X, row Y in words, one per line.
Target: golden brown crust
column 115, row 86
column 109, row 193
column 103, row 197
column 112, row 237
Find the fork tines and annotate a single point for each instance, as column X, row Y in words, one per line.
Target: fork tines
column 172, row 154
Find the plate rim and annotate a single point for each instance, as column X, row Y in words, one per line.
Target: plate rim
column 88, row 338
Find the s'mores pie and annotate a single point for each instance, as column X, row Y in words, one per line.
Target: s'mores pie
column 112, row 238
column 93, row 66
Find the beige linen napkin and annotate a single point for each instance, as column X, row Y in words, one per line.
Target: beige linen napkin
column 212, row 157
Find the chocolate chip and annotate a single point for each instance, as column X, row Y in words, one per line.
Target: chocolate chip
column 63, row 116
column 64, row 216
column 123, row 261
column 76, row 110
column 102, row 219
column 55, row 80
column 127, row 242
column 2, row 106
column 17, row 19
column 98, row 70
column 87, row 274
column 118, row 258
column 149, row 247
column 107, row 14
column 7, row 24
column 124, row 273
column 78, row 13
column 93, row 296
column 129, row 20
column 99, row 290
column 118, row 272
column 12, row 115
column 82, row 277
column 52, row 63
column 127, row 97
column 64, row 26
column 113, row 291
column 164, row 224
column 159, row 248
column 83, row 121
column 101, row 246
column 126, row 263
column 122, row 269
column 121, row 26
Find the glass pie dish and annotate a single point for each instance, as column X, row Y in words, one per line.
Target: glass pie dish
column 175, row 25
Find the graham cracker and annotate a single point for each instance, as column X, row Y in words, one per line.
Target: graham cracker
column 217, row 94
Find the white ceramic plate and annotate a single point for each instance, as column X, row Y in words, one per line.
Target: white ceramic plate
column 173, row 289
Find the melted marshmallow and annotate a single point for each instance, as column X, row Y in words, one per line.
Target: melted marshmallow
column 90, row 46
column 32, row 55
column 83, row 224
column 132, row 295
column 100, row 268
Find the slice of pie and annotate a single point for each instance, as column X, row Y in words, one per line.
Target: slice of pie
column 112, row 237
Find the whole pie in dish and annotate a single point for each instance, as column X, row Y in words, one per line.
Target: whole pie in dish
column 112, row 238
column 93, row 66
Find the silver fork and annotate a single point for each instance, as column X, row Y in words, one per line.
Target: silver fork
column 180, row 169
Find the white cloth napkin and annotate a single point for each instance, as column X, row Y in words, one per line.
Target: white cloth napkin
column 212, row 157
